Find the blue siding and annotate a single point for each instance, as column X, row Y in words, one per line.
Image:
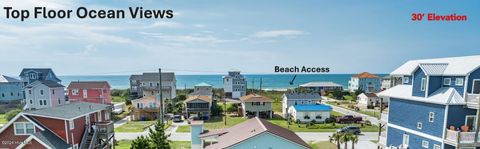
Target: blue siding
column 417, row 81
column 434, row 83
column 456, row 115
column 459, row 89
column 474, row 75
column 395, row 138
column 407, row 114
column 11, row 91
column 409, row 80
column 375, row 83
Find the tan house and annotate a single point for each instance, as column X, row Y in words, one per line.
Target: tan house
column 145, row 108
column 198, row 105
column 257, row 106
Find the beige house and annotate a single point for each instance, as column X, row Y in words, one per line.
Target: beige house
column 256, row 105
column 198, row 105
column 145, row 108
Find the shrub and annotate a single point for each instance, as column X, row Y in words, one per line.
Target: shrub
column 368, row 123
column 10, row 114
column 330, row 120
column 298, row 121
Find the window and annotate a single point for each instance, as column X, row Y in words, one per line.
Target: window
column 11, row 93
column 425, row 144
column 71, row 123
column 419, row 125
column 406, row 79
column 41, row 102
column 31, row 101
column 53, row 92
column 33, row 76
column 431, row 116
column 476, row 86
column 75, row 146
column 447, row 81
column 423, row 84
column 99, row 116
column 85, row 93
column 107, row 115
column 29, row 91
column 24, row 128
column 405, row 139
column 3, row 95
column 41, row 92
column 75, row 92
column 436, row 146
column 459, row 81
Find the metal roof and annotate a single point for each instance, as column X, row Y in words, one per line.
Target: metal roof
column 48, row 83
column 68, row 111
column 7, row 79
column 444, row 95
column 302, row 96
column 320, row 84
column 312, row 108
column 456, row 65
column 433, row 68
column 203, row 84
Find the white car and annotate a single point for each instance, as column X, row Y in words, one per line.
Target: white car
column 118, row 108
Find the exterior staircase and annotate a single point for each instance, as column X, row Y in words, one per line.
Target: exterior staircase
column 89, row 139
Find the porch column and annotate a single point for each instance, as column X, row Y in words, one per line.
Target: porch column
column 478, row 123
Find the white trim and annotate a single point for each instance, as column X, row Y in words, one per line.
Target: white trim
column 405, row 142
column 423, row 85
column 449, row 81
column 25, row 133
column 465, row 86
column 445, row 123
column 432, row 115
column 456, row 81
column 30, row 139
column 71, row 124
column 427, row 86
column 63, row 118
column 15, row 118
column 473, row 84
column 436, row 145
column 425, row 144
column 416, row 132
column 66, row 131
column 474, row 120
column 419, row 125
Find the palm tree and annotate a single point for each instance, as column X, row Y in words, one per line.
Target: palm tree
column 354, row 139
column 345, row 138
column 336, row 137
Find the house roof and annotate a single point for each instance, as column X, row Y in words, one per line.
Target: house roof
column 248, row 130
column 68, row 111
column 444, row 95
column 48, row 83
column 88, row 84
column 151, row 98
column 320, row 84
column 302, row 96
column 255, row 98
column 369, row 94
column 203, row 84
column 199, row 97
column 433, row 69
column 42, row 71
column 319, row 107
column 7, row 79
column 452, row 65
column 365, row 75
column 154, row 76
column 51, row 139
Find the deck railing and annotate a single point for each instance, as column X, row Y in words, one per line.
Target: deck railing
column 473, row 100
column 105, row 128
column 460, row 137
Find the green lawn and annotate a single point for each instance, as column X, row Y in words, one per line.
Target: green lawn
column 118, row 99
column 216, row 123
column 319, row 127
column 134, row 126
column 277, row 107
column 3, row 120
column 125, row 144
column 322, row 145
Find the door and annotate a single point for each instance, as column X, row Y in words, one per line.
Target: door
column 405, row 140
column 476, row 86
column 470, row 121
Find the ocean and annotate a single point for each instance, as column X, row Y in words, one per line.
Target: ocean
column 269, row 81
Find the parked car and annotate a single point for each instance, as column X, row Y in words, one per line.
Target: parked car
column 347, row 119
column 350, row 129
column 177, row 118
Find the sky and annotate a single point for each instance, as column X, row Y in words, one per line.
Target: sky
column 213, row 37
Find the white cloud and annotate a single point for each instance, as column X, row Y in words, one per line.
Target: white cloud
column 192, row 38
column 278, row 33
column 163, row 24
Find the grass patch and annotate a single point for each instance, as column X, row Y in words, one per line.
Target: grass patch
column 374, row 141
column 216, row 123
column 319, row 127
column 323, row 145
column 184, row 128
column 277, row 107
column 3, row 120
column 125, row 144
column 134, row 126
column 118, row 99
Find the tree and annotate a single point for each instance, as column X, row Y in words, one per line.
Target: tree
column 345, row 138
column 181, row 97
column 336, row 138
column 11, row 114
column 157, row 136
column 140, row 143
column 337, row 94
column 216, row 109
column 359, row 91
column 354, row 139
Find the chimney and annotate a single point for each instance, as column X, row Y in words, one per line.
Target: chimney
column 196, row 128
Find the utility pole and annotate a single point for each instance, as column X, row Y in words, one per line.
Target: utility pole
column 380, row 122
column 259, row 92
column 253, row 85
column 160, row 94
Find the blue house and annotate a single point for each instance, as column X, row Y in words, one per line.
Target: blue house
column 436, row 106
column 10, row 89
column 365, row 81
column 30, row 75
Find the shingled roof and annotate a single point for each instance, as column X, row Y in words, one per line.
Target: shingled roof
column 199, row 97
column 248, row 130
column 68, row 111
column 88, row 84
column 7, row 79
column 48, row 83
column 365, row 75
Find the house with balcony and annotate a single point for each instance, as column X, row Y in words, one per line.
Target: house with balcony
column 89, row 91
column 291, row 99
column 147, row 84
column 11, row 89
column 145, row 108
column 435, row 106
column 202, row 89
column 75, row 125
column 234, row 85
column 254, row 105
column 321, row 87
column 198, row 105
column 365, row 81
column 44, row 94
column 370, row 100
column 255, row 133
column 30, row 75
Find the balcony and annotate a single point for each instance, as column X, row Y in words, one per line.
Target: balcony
column 461, row 139
column 384, row 117
column 473, row 101
column 105, row 129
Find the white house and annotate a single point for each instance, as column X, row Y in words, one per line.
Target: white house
column 308, row 113
column 367, row 99
column 44, row 94
column 234, row 85
column 290, row 99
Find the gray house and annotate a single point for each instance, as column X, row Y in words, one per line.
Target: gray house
column 30, row 75
column 147, row 84
column 10, row 89
column 256, row 105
